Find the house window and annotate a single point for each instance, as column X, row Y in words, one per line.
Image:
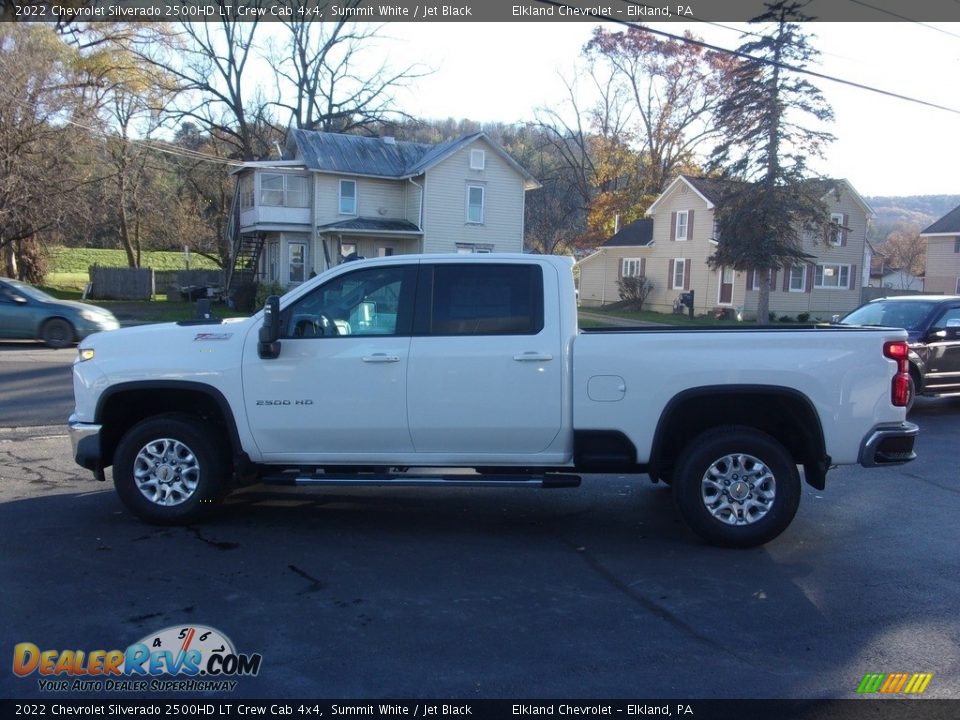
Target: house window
column 246, row 192
column 681, row 225
column 475, row 204
column 835, row 277
column 837, row 230
column 348, row 197
column 273, row 262
column 956, row 245
column 298, row 261
column 478, row 159
column 470, row 248
column 755, row 279
column 283, row 190
column 957, row 290
column 632, row 267
column 679, row 273
column 798, row 278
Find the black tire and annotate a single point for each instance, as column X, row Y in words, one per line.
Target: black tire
column 57, row 333
column 911, row 392
column 189, row 474
column 736, row 487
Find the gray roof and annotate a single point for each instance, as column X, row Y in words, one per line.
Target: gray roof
column 949, row 223
column 635, row 234
column 382, row 157
column 371, row 225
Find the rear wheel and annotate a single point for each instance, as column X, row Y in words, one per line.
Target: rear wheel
column 736, row 487
column 170, row 469
column 57, row 333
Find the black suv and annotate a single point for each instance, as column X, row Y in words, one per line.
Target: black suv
column 933, row 326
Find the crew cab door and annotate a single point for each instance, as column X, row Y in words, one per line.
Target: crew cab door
column 486, row 360
column 337, row 390
column 943, row 353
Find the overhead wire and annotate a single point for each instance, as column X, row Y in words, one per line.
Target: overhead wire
column 747, row 56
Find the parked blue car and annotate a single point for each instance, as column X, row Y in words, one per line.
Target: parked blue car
column 26, row 312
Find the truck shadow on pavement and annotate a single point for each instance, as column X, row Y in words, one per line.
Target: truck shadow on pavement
column 455, row 593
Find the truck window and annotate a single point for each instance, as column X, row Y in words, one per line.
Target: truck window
column 365, row 302
column 482, row 299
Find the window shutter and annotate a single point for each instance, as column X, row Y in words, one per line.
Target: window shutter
column 751, row 279
column 673, row 226
column 786, row 278
column 690, row 225
column 844, row 232
column 810, row 271
column 686, row 273
column 853, row 277
column 643, row 267
column 620, row 268
column 670, row 276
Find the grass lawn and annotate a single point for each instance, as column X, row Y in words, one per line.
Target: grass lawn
column 74, row 261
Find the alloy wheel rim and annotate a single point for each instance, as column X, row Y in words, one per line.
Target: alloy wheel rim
column 166, row 472
column 738, row 489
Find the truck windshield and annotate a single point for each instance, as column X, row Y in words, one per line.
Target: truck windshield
column 908, row 315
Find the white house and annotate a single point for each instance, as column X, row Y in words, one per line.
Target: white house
column 340, row 195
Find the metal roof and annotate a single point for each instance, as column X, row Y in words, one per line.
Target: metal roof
column 384, row 157
column 372, row 225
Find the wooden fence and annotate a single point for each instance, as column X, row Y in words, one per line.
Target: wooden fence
column 144, row 283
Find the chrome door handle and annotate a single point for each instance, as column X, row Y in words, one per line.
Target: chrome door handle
column 531, row 356
column 380, row 358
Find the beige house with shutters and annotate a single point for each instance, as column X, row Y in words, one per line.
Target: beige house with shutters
column 335, row 196
column 683, row 236
column 942, row 273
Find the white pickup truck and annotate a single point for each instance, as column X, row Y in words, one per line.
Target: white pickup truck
column 459, row 370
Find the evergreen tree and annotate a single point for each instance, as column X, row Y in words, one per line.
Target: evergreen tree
column 763, row 218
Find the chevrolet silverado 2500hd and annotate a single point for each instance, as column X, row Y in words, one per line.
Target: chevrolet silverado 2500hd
column 387, row 371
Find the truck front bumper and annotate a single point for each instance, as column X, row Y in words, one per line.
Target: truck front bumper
column 85, row 438
column 889, row 444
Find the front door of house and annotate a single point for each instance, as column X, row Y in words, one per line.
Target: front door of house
column 726, row 286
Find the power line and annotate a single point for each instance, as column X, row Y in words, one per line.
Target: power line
column 905, row 18
column 747, row 56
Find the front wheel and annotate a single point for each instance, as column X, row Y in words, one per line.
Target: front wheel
column 57, row 333
column 736, row 487
column 169, row 469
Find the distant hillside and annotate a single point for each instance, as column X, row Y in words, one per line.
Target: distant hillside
column 917, row 210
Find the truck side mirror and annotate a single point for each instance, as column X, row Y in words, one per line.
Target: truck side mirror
column 269, row 345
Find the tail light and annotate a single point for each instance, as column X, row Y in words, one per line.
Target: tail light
column 900, row 385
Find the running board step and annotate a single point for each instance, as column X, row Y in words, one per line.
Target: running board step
column 403, row 480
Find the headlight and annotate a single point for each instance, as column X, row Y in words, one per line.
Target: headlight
column 85, row 354
column 92, row 316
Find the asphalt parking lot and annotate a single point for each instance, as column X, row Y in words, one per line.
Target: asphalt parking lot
column 596, row 592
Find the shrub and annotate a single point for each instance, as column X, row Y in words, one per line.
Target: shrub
column 786, row 319
column 634, row 291
column 803, row 317
column 265, row 290
column 245, row 296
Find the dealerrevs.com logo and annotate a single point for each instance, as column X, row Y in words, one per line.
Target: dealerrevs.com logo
column 178, row 658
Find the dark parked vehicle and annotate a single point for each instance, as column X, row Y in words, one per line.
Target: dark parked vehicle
column 933, row 325
column 26, row 312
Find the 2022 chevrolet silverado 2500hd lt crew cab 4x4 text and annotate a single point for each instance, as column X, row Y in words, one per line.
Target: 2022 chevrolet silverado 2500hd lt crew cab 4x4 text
column 377, row 371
